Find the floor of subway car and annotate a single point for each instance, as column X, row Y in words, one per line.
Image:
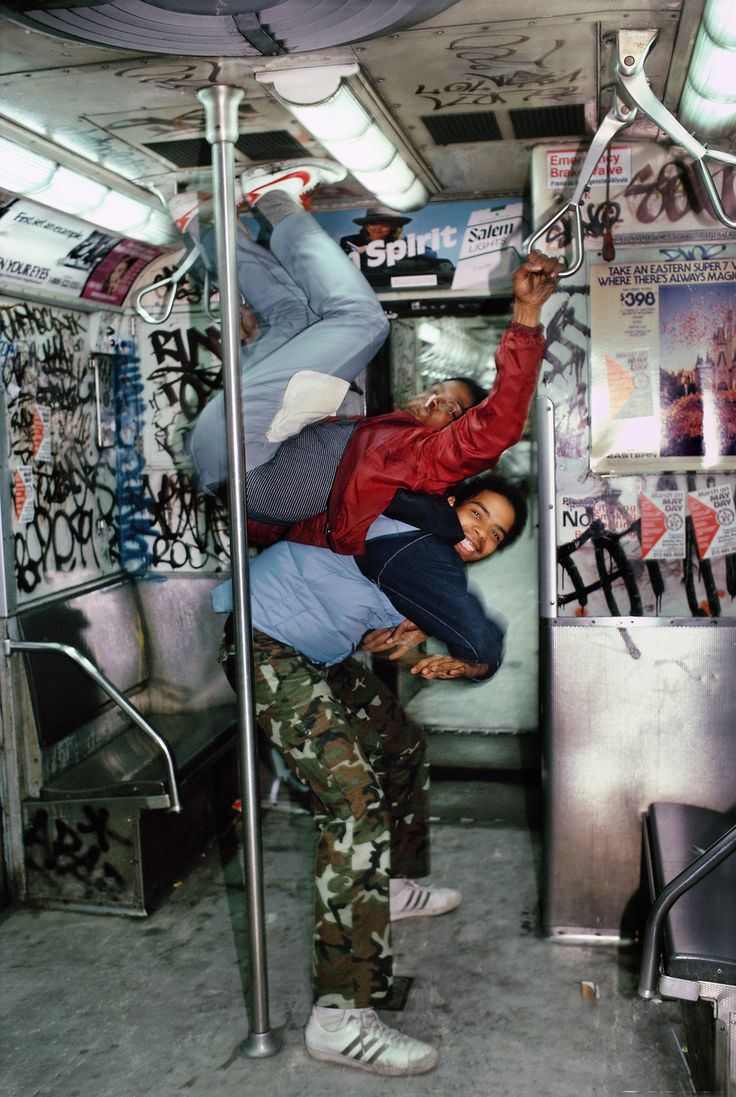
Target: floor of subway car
column 100, row 1006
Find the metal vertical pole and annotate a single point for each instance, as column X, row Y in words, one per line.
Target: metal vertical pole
column 545, row 413
column 221, row 115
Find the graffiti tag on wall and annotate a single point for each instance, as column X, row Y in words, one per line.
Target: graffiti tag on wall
column 78, row 858
column 49, row 389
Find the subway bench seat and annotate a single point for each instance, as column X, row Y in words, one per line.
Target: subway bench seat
column 117, row 815
column 695, row 944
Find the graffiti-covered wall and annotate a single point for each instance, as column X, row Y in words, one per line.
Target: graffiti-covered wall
column 63, row 511
column 641, row 350
column 171, row 525
column 96, row 409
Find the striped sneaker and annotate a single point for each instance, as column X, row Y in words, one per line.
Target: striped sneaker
column 410, row 900
column 296, row 178
column 357, row 1038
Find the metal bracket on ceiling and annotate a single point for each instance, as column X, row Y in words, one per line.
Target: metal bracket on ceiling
column 259, row 35
column 633, row 94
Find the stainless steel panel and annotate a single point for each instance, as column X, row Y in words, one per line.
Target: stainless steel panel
column 631, row 715
column 83, row 856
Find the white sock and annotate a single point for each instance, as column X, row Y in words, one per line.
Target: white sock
column 277, row 204
column 396, row 885
column 332, row 1018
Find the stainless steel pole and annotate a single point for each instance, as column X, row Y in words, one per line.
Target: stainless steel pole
column 221, row 115
column 547, row 508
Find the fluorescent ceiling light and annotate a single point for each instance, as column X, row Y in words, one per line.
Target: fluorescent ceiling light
column 708, row 103
column 35, row 176
column 71, row 193
column 23, row 170
column 326, row 106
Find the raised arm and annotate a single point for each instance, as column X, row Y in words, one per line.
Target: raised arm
column 476, row 440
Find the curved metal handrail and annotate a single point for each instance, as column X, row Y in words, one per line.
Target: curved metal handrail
column 619, row 116
column 119, row 698
column 695, row 871
column 633, row 94
column 171, row 279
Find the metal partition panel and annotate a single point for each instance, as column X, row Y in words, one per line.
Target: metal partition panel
column 636, row 710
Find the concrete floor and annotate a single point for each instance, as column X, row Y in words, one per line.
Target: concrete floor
column 100, row 1006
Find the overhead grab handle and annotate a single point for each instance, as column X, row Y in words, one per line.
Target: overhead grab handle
column 635, row 86
column 619, row 115
column 633, row 94
column 171, row 280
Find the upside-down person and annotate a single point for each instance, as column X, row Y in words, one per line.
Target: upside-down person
column 322, row 323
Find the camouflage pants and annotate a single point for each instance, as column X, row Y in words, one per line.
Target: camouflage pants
column 344, row 734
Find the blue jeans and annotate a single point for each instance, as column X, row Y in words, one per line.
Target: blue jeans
column 317, row 312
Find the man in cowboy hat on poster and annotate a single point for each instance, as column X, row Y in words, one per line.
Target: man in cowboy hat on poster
column 380, row 227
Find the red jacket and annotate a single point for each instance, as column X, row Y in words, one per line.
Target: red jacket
column 388, row 452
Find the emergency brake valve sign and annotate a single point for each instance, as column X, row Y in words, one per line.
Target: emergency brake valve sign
column 563, row 167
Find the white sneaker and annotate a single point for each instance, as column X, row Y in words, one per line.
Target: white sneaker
column 186, row 206
column 410, row 900
column 357, row 1038
column 296, row 179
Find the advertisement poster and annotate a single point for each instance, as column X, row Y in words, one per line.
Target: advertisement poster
column 24, row 503
column 663, row 525
column 581, row 516
column 457, row 247
column 60, row 254
column 41, row 432
column 714, row 521
column 663, row 371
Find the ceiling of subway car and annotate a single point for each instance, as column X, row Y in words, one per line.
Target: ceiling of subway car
column 469, row 86
column 228, row 28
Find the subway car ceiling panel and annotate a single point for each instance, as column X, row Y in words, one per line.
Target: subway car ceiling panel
column 467, row 91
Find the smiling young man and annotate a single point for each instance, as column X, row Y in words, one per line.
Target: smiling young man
column 344, row 735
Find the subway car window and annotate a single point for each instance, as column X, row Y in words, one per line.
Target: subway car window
column 367, row 546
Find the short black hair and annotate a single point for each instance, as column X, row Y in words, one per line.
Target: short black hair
column 491, row 481
column 477, row 392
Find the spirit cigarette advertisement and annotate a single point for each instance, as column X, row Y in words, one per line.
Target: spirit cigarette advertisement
column 663, row 368
column 466, row 247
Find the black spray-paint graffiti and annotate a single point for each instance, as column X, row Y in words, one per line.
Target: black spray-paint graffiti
column 77, row 850
column 674, row 192
column 189, row 529
column 188, row 76
column 166, row 521
column 566, row 354
column 44, row 365
column 613, row 567
column 182, row 383
column 499, row 63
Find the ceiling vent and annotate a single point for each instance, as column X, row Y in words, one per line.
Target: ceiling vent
column 538, row 123
column 240, row 28
column 196, row 152
column 454, row 129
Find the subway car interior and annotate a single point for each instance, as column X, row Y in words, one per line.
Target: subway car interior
column 157, row 870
